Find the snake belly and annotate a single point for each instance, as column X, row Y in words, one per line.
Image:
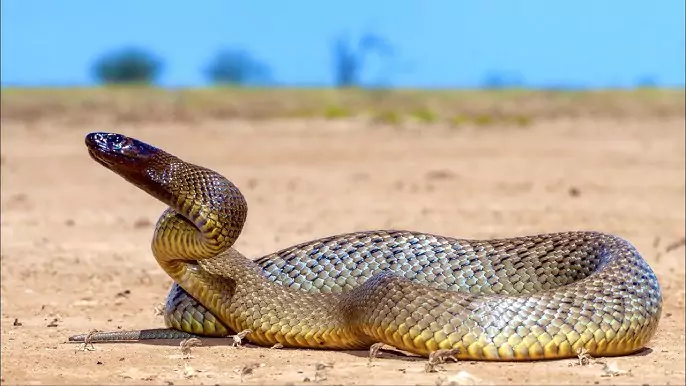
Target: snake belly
column 532, row 297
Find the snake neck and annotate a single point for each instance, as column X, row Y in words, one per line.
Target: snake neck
column 205, row 216
column 206, row 211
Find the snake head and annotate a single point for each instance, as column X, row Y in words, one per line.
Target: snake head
column 159, row 173
column 134, row 160
column 111, row 149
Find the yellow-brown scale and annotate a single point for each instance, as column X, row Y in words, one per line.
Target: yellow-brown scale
column 543, row 296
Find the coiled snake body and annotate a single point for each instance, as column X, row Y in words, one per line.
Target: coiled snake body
column 522, row 298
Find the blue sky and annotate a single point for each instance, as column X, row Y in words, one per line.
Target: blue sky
column 437, row 43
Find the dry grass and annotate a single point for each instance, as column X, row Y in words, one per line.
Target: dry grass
column 479, row 107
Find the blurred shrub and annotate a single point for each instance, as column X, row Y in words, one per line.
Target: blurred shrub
column 483, row 119
column 388, row 117
column 128, row 66
column 424, row 115
column 335, row 111
column 522, row 120
column 458, row 121
column 236, row 67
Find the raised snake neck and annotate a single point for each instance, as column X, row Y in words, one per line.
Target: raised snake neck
column 533, row 297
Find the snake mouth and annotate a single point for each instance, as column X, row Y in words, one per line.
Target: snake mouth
column 98, row 157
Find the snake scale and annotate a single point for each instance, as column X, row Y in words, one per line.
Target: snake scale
column 534, row 297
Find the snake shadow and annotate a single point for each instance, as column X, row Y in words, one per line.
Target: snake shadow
column 383, row 353
column 403, row 356
column 645, row 351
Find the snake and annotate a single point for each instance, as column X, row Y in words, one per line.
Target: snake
column 545, row 296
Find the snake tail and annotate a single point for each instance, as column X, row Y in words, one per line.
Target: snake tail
column 131, row 335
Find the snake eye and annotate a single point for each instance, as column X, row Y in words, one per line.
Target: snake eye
column 118, row 141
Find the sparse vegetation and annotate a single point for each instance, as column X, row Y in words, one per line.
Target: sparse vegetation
column 424, row 115
column 458, row 120
column 335, row 111
column 454, row 108
column 522, row 120
column 484, row 120
column 387, row 117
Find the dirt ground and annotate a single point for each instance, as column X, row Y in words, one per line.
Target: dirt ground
column 76, row 237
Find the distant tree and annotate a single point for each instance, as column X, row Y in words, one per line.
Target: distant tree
column 236, row 67
column 500, row 80
column 346, row 64
column 130, row 65
column 349, row 60
column 646, row 81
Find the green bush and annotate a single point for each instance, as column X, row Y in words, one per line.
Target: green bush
column 128, row 66
column 232, row 67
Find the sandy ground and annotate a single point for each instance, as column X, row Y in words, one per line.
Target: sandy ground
column 76, row 238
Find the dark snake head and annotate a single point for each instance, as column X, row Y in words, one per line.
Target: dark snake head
column 117, row 151
column 139, row 163
column 168, row 178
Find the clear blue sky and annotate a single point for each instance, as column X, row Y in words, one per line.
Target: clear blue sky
column 438, row 43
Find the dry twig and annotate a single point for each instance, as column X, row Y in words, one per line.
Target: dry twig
column 186, row 345
column 439, row 357
column 238, row 338
column 87, row 344
column 248, row 369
